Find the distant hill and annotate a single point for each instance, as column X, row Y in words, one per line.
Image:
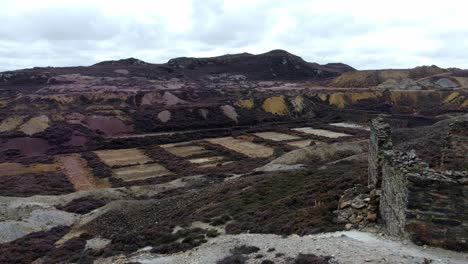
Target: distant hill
column 275, row 64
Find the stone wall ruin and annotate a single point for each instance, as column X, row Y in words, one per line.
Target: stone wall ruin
column 426, row 205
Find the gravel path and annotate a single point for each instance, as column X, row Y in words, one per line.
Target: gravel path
column 346, row 247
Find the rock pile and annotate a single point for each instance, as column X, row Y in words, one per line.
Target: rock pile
column 357, row 207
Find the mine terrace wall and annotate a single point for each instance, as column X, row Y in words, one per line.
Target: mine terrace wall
column 418, row 202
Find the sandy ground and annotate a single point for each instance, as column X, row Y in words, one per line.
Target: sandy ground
column 141, row 172
column 122, row 157
column 320, row 132
column 350, row 125
column 245, row 147
column 345, row 247
column 300, row 143
column 206, row 160
column 185, row 151
column 275, row 136
column 10, row 168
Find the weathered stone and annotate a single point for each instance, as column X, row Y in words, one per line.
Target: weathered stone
column 342, row 216
column 379, row 143
column 345, row 204
column 359, row 218
column 371, row 217
column 350, row 194
column 358, row 201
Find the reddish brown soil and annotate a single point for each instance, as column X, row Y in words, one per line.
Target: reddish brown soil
column 77, row 141
column 108, row 125
column 27, row 146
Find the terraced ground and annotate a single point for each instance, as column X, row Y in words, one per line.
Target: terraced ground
column 213, row 154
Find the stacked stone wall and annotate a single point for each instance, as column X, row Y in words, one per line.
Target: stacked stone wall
column 417, row 202
column 379, row 143
column 455, row 155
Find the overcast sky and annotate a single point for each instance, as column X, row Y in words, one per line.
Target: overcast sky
column 364, row 34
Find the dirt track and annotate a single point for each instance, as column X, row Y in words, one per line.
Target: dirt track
column 346, row 247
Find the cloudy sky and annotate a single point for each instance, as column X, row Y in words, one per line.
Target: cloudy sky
column 364, row 34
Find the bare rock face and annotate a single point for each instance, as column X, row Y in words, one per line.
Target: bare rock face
column 230, row 112
column 445, row 83
column 167, row 99
column 37, row 220
column 405, row 84
column 164, row 116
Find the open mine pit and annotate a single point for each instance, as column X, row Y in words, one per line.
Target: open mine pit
column 217, row 159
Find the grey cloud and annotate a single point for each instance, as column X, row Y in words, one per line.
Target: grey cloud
column 64, row 34
column 55, row 24
column 214, row 24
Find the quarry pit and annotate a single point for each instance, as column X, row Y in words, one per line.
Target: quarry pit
column 134, row 162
